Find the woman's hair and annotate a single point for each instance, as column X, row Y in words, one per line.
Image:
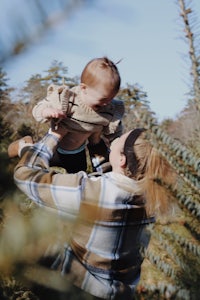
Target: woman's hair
column 101, row 70
column 153, row 174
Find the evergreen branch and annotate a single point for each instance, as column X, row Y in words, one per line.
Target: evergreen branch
column 181, row 258
column 193, row 226
column 185, row 243
column 179, row 157
column 168, row 291
column 190, row 203
column 187, row 198
column 169, row 268
column 185, row 12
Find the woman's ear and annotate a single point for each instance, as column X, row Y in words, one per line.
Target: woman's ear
column 122, row 160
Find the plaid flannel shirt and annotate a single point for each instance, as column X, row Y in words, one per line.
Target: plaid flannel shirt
column 104, row 255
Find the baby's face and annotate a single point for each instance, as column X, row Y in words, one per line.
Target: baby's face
column 96, row 97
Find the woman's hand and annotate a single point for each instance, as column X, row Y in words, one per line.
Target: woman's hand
column 59, row 130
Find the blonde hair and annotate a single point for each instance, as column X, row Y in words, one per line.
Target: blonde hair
column 153, row 174
column 102, row 70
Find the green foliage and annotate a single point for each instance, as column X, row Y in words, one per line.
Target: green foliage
column 184, row 240
column 3, row 80
column 24, row 130
column 168, row 252
column 57, row 74
column 171, row 268
column 6, row 175
column 5, row 131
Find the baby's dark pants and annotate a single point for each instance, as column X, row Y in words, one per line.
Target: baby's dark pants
column 72, row 163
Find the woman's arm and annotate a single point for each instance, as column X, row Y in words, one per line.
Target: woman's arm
column 44, row 186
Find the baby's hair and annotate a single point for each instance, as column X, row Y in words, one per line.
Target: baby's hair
column 101, row 70
column 106, row 62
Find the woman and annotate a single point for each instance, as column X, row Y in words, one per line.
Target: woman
column 111, row 212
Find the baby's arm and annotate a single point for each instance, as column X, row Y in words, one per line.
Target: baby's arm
column 51, row 112
column 38, row 110
column 54, row 105
column 43, row 113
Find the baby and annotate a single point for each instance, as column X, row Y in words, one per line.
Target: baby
column 89, row 112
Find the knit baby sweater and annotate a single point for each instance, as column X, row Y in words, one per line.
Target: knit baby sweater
column 79, row 117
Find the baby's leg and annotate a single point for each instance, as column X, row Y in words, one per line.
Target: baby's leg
column 15, row 148
column 72, row 163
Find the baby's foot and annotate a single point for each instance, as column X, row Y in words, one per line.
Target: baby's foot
column 15, row 148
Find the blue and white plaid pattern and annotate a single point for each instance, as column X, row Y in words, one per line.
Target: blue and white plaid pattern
column 109, row 235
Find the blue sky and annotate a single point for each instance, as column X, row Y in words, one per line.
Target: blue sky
column 146, row 35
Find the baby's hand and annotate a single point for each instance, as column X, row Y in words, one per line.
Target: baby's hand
column 54, row 113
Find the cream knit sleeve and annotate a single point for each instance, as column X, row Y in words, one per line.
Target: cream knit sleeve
column 57, row 97
column 115, row 126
